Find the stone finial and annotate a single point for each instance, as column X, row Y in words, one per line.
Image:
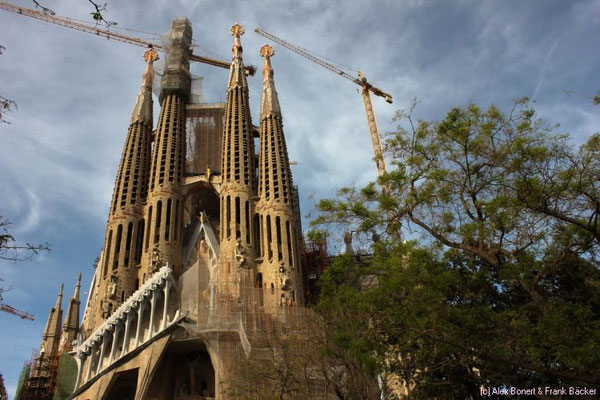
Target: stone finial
column 266, row 51
column 150, row 56
column 237, row 30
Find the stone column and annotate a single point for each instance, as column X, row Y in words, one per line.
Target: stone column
column 113, row 350
column 138, row 331
column 80, row 360
column 91, row 364
column 102, row 349
column 152, row 306
column 166, row 289
column 126, row 334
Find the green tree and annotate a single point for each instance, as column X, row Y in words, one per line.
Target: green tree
column 500, row 284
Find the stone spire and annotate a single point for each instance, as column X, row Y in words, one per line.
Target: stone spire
column 71, row 323
column 275, row 177
column 142, row 111
column 52, row 332
column 117, row 272
column 269, row 102
column 237, row 76
column 238, row 176
column 130, row 185
column 279, row 236
column 238, row 153
column 164, row 208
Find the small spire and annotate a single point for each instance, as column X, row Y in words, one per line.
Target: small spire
column 237, row 30
column 237, row 76
column 58, row 305
column 77, row 288
column 267, row 52
column 52, row 331
column 70, row 327
column 269, row 102
column 142, row 111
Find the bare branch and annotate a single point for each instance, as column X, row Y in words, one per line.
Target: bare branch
column 45, row 10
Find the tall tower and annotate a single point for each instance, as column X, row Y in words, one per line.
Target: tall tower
column 163, row 241
column 71, row 324
column 117, row 272
column 279, row 268
column 238, row 177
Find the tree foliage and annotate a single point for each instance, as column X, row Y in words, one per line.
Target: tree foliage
column 499, row 285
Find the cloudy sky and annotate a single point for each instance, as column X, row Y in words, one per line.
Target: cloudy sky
column 75, row 93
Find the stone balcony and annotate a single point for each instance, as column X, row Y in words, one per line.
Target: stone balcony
column 145, row 314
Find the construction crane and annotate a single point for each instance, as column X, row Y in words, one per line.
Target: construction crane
column 361, row 81
column 83, row 27
column 14, row 311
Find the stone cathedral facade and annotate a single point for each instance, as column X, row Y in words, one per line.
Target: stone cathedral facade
column 200, row 256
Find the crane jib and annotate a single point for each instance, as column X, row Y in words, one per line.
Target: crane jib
column 72, row 24
column 362, row 82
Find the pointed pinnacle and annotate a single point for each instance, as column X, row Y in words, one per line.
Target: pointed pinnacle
column 269, row 103
column 58, row 305
column 150, row 56
column 237, row 30
column 77, row 287
column 237, row 76
column 143, row 105
column 267, row 52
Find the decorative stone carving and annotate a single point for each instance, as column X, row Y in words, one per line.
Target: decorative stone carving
column 240, row 256
column 156, row 259
column 113, row 287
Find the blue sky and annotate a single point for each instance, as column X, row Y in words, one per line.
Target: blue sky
column 75, row 93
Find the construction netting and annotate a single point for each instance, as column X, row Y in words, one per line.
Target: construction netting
column 204, row 126
column 196, row 96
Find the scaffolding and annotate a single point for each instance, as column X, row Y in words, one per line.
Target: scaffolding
column 314, row 260
column 40, row 382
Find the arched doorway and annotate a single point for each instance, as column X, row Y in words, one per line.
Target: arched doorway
column 185, row 373
column 123, row 385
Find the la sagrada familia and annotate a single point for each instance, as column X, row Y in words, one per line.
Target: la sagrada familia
column 199, row 257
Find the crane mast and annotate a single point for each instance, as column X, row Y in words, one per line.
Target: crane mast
column 375, row 138
column 367, row 88
column 72, row 24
